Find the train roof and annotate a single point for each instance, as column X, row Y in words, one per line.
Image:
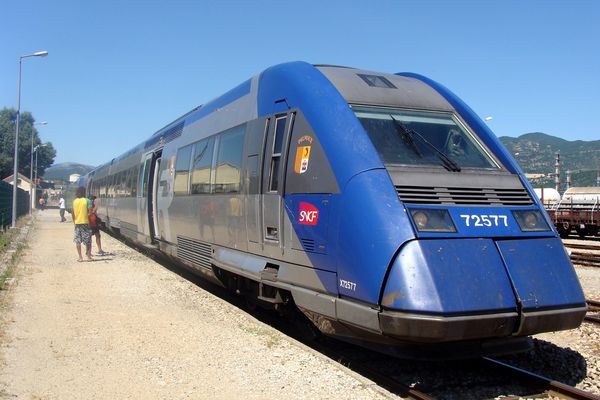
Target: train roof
column 386, row 89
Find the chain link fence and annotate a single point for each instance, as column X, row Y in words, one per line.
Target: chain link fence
column 6, row 194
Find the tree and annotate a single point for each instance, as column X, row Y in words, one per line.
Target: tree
column 46, row 154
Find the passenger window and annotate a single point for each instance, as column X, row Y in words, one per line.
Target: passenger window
column 144, row 178
column 201, row 166
column 229, row 161
column 134, row 174
column 182, row 171
column 276, row 156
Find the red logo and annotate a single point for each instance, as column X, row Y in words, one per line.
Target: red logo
column 308, row 214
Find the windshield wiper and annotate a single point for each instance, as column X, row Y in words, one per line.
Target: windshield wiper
column 409, row 133
column 407, row 136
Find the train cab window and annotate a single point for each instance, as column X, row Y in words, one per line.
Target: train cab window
column 201, row 166
column 423, row 138
column 229, row 161
column 276, row 156
column 182, row 171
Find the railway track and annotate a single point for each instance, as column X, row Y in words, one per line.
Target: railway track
column 386, row 381
column 585, row 259
column 593, row 314
column 538, row 383
column 552, row 387
column 589, row 258
column 530, row 384
column 582, row 246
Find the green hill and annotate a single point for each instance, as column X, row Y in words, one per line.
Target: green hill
column 536, row 154
column 63, row 170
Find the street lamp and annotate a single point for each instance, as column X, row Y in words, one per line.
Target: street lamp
column 16, row 160
column 31, row 196
column 36, row 156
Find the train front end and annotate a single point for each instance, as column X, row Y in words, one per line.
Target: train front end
column 469, row 253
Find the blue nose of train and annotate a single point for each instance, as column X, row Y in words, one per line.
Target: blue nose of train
column 437, row 290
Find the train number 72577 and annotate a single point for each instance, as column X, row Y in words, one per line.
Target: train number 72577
column 485, row 220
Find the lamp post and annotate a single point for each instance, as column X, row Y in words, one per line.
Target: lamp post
column 36, row 154
column 31, row 184
column 16, row 158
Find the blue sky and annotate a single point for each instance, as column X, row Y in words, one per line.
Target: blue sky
column 117, row 71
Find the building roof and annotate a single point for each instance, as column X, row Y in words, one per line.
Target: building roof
column 22, row 177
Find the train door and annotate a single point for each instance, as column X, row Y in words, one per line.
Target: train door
column 153, row 197
column 142, row 199
column 273, row 182
column 147, row 192
column 256, row 132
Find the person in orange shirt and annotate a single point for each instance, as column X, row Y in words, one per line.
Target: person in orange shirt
column 83, row 233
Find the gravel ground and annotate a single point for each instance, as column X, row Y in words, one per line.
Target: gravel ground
column 126, row 327
column 584, row 341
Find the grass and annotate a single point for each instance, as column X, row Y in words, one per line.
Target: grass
column 8, row 235
column 273, row 338
column 6, row 238
column 9, row 272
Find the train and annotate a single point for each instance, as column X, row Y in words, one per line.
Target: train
column 379, row 205
column 576, row 211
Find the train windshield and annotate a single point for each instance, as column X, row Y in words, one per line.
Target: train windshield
column 418, row 138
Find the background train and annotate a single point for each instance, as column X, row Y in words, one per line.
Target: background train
column 576, row 211
column 378, row 204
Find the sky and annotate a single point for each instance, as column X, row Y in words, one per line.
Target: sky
column 119, row 70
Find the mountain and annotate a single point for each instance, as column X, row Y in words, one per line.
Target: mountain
column 63, row 170
column 536, row 154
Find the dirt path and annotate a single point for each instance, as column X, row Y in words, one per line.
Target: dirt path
column 124, row 327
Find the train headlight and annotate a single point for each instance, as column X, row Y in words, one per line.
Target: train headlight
column 432, row 220
column 531, row 221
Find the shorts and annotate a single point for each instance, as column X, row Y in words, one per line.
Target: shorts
column 83, row 234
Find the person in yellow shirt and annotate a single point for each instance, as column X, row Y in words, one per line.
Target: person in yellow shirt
column 83, row 233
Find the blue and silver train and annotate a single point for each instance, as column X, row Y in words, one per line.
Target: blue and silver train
column 378, row 204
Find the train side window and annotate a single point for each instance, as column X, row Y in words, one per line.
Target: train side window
column 276, row 156
column 201, row 166
column 134, row 175
column 119, row 184
column 113, row 186
column 125, row 183
column 182, row 171
column 229, row 161
column 143, row 178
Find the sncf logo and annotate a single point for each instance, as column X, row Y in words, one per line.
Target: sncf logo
column 308, row 215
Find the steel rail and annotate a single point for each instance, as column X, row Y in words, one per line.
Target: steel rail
column 593, row 307
column 587, row 259
column 582, row 246
column 562, row 390
column 594, row 304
